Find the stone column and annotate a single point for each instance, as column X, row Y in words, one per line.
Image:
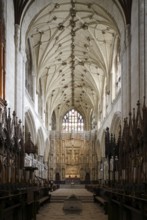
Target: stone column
column 142, row 17
column 23, row 87
column 126, row 73
column 35, row 95
column 145, row 47
column 2, row 53
column 18, row 74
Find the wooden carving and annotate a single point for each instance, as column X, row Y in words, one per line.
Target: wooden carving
column 131, row 149
column 11, row 145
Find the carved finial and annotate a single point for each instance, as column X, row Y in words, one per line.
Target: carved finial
column 114, row 139
column 133, row 113
column 138, row 103
column 29, row 146
column 14, row 113
column 29, row 136
column 120, row 128
column 9, row 112
column 138, row 116
column 5, row 103
column 111, row 138
column 126, row 120
column 16, row 120
column 0, row 115
column 119, row 134
column 144, row 98
column 130, row 119
column 130, row 116
column 138, row 107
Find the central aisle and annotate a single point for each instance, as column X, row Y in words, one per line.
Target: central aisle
column 67, row 190
column 54, row 210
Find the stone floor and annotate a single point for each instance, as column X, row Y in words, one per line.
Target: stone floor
column 54, row 210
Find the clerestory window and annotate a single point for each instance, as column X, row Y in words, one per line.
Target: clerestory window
column 72, row 121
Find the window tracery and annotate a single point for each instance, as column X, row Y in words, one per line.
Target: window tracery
column 72, row 121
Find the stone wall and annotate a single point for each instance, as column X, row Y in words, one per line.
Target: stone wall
column 133, row 68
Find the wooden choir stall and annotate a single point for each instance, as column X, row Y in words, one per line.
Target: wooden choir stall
column 123, row 195
column 20, row 195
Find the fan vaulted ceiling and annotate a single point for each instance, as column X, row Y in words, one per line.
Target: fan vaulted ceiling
column 73, row 43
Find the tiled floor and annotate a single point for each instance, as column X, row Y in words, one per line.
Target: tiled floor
column 54, row 210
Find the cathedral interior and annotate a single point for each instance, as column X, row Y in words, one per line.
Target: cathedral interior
column 73, row 109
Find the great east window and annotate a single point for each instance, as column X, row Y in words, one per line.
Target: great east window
column 72, row 121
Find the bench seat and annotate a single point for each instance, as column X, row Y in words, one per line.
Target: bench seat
column 103, row 202
column 44, row 200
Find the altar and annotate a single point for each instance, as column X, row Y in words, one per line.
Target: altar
column 72, row 180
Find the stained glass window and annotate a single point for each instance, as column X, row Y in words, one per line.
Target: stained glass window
column 72, row 121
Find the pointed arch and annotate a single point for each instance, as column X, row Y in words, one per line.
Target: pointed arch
column 72, row 121
column 47, row 149
column 30, row 125
column 115, row 124
column 40, row 142
column 53, row 121
column 103, row 144
column 2, row 53
column 98, row 150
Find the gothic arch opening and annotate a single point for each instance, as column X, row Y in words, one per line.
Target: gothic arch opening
column 40, row 142
column 30, row 126
column 115, row 124
column 73, row 122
